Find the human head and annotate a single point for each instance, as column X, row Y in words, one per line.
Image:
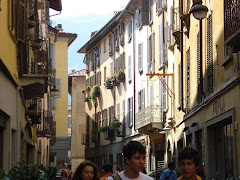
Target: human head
column 131, row 148
column 107, row 168
column 65, row 165
column 118, row 169
column 78, row 175
column 189, row 161
column 171, row 165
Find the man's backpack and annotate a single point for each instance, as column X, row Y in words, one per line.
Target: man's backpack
column 116, row 177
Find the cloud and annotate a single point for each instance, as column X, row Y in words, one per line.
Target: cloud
column 85, row 7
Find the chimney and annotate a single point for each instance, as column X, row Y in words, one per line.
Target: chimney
column 59, row 27
column 73, row 70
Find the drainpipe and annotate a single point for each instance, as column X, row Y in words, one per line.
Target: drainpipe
column 181, row 51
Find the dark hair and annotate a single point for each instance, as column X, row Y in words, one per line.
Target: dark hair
column 118, row 168
column 131, row 148
column 107, row 167
column 78, row 172
column 171, row 165
column 189, row 153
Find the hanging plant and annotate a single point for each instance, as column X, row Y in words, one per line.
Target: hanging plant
column 113, row 126
column 83, row 91
column 95, row 92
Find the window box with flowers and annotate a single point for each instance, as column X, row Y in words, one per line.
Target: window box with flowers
column 108, row 83
column 114, row 80
column 120, row 76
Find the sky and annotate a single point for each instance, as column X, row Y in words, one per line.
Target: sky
column 83, row 17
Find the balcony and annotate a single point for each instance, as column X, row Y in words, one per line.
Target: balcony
column 232, row 24
column 32, row 111
column 149, row 120
column 45, row 128
column 33, row 71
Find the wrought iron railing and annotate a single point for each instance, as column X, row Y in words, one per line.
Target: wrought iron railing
column 231, row 17
column 46, row 127
column 151, row 114
column 85, row 139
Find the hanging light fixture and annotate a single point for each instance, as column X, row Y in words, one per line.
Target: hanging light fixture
column 199, row 11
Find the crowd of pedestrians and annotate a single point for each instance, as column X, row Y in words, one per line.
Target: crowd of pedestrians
column 134, row 155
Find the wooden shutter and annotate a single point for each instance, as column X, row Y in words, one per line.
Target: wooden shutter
column 145, row 12
column 111, row 68
column 143, row 99
column 129, row 68
column 209, row 55
column 148, row 54
column 140, row 57
column 131, row 111
column 113, row 112
column 136, row 19
column 188, row 81
column 152, row 53
column 118, row 112
column 139, row 100
column 151, row 95
column 120, row 62
column 165, row 44
column 161, row 44
column 198, row 70
column 21, row 20
column 123, row 60
column 106, row 118
column 109, row 115
column 179, row 85
column 100, row 78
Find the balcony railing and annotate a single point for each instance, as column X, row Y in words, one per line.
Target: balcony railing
column 46, row 128
column 232, row 24
column 150, row 118
column 85, row 139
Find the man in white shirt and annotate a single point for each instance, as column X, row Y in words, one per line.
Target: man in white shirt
column 134, row 155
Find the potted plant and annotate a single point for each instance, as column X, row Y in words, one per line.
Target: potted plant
column 120, row 76
column 108, row 83
column 114, row 80
column 95, row 92
column 83, row 91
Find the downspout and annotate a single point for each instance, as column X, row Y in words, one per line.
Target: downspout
column 181, row 51
column 10, row 24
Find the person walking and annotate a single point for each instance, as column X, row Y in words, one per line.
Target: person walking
column 87, row 170
column 134, row 155
column 107, row 170
column 169, row 174
column 189, row 161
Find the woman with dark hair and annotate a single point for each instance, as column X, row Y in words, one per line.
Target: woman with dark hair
column 87, row 170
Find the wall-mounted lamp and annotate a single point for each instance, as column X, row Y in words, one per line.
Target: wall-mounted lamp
column 167, row 128
column 199, row 11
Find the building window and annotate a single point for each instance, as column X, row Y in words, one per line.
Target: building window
column 129, row 30
column 140, row 57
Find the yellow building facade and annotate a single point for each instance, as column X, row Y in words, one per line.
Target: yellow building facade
column 24, row 77
column 59, row 151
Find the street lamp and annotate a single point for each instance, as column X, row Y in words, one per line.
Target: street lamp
column 199, row 12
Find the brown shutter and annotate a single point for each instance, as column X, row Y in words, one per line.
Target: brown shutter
column 21, row 20
column 145, row 12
